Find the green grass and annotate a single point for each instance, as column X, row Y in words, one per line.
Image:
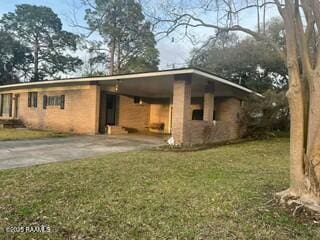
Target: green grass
column 22, row 134
column 219, row 193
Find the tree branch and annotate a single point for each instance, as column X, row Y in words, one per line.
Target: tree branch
column 186, row 19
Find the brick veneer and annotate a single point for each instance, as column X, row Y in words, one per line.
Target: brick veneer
column 206, row 132
column 80, row 113
column 226, row 127
column 132, row 115
column 208, row 106
column 227, row 109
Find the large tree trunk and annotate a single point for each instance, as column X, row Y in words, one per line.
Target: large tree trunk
column 112, row 56
column 296, row 106
column 312, row 168
column 119, row 57
column 36, row 62
column 304, row 99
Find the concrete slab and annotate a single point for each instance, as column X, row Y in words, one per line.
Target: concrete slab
column 24, row 153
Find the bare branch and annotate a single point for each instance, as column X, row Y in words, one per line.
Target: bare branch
column 187, row 19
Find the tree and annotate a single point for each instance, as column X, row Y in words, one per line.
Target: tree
column 301, row 54
column 128, row 43
column 261, row 117
column 13, row 59
column 246, row 62
column 40, row 29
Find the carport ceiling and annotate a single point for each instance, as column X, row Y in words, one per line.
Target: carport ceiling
column 162, row 87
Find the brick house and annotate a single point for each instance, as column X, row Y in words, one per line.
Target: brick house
column 193, row 106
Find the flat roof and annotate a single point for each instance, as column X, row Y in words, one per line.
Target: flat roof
column 195, row 71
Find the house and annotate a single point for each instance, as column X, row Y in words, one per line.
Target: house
column 192, row 105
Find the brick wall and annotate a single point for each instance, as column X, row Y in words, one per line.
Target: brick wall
column 225, row 128
column 160, row 113
column 133, row 116
column 227, row 109
column 205, row 132
column 80, row 113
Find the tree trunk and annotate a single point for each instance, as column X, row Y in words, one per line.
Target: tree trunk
column 36, row 62
column 119, row 57
column 296, row 106
column 304, row 98
column 258, row 17
column 112, row 56
column 312, row 168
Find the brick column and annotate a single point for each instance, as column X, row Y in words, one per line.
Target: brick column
column 97, row 94
column 208, row 103
column 181, row 115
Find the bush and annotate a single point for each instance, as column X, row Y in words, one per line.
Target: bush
column 262, row 117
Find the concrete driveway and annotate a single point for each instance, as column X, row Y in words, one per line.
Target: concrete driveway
column 33, row 152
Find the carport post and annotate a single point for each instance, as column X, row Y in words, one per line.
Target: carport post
column 181, row 111
column 208, row 103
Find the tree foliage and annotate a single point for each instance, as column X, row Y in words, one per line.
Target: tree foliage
column 263, row 116
column 245, row 61
column 128, row 42
column 40, row 29
column 14, row 59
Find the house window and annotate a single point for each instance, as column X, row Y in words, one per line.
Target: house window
column 53, row 101
column 32, row 99
column 197, row 114
column 6, row 105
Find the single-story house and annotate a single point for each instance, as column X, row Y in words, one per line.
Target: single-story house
column 192, row 105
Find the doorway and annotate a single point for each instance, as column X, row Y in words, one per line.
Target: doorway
column 111, row 110
column 108, row 110
column 16, row 105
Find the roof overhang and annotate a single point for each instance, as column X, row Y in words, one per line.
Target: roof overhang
column 167, row 74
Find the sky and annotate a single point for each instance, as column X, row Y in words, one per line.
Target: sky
column 174, row 50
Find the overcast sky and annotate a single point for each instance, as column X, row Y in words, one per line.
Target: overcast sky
column 173, row 50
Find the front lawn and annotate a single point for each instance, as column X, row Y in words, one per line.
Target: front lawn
column 220, row 193
column 22, row 134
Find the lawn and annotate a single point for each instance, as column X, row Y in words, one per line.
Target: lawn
column 219, row 193
column 21, row 134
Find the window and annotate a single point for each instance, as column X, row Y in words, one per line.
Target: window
column 6, row 105
column 53, row 101
column 32, row 99
column 197, row 114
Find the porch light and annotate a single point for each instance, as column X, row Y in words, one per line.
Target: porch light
column 117, row 86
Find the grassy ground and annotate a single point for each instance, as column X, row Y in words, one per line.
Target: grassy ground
column 21, row 134
column 220, row 193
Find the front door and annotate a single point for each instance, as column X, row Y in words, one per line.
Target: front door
column 111, row 109
column 16, row 106
column 108, row 110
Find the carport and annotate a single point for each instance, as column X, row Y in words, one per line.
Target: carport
column 191, row 105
